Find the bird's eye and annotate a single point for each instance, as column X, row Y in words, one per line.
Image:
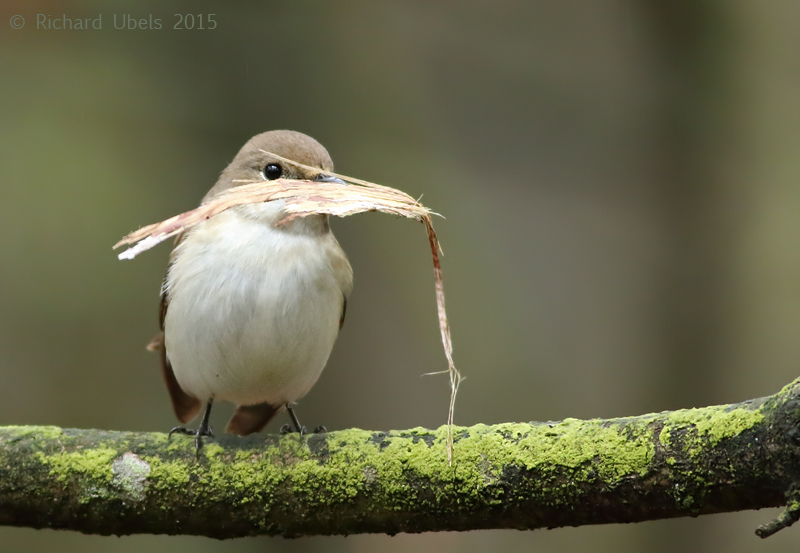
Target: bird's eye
column 273, row 171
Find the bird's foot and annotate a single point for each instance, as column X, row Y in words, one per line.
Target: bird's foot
column 297, row 427
column 202, row 430
column 288, row 429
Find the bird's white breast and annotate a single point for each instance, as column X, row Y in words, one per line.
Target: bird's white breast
column 253, row 309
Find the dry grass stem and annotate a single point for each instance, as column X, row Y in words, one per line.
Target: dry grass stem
column 306, row 198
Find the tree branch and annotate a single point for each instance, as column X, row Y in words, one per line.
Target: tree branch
column 570, row 473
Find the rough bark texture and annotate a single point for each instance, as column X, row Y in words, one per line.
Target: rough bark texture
column 524, row 476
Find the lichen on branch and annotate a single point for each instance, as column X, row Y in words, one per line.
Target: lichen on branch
column 515, row 475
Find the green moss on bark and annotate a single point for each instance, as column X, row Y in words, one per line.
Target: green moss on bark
column 514, row 475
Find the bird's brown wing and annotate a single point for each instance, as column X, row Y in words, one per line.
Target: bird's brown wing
column 251, row 418
column 185, row 406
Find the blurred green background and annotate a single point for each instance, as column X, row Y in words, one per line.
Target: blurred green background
column 620, row 186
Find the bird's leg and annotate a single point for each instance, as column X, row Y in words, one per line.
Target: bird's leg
column 286, row 429
column 203, row 430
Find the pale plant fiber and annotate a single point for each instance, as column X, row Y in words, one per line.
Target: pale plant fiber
column 306, row 198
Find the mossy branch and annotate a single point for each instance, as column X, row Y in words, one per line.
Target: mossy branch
column 524, row 476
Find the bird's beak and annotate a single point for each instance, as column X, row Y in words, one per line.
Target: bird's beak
column 328, row 178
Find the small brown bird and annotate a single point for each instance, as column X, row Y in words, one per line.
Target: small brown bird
column 250, row 310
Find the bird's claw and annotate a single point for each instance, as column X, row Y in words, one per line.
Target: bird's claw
column 202, row 431
column 288, row 429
